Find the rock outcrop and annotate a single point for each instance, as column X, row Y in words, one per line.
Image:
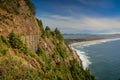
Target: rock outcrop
column 32, row 41
column 16, row 16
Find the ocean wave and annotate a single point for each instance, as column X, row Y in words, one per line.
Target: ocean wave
column 83, row 55
column 84, row 58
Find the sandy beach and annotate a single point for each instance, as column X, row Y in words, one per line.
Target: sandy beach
column 92, row 41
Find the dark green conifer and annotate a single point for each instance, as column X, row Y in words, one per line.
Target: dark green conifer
column 58, row 34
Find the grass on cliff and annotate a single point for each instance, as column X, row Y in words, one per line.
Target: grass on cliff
column 55, row 67
column 52, row 67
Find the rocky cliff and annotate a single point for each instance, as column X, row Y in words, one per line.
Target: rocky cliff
column 29, row 52
column 16, row 16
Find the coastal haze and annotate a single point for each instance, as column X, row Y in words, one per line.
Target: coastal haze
column 70, row 38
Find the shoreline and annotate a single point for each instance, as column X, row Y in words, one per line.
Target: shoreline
column 92, row 41
column 82, row 55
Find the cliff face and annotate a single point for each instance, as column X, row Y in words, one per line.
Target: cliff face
column 15, row 15
column 28, row 52
column 31, row 41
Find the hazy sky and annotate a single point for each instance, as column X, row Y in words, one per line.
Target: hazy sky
column 80, row 16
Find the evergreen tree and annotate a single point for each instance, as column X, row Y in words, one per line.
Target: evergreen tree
column 47, row 29
column 58, row 34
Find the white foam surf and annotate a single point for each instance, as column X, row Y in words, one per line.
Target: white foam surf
column 84, row 58
column 83, row 55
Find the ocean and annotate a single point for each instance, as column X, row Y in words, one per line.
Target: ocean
column 102, row 58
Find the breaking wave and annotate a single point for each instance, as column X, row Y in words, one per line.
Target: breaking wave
column 83, row 55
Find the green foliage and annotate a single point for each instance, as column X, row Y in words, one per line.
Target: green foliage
column 47, row 32
column 13, row 69
column 5, row 40
column 42, row 66
column 16, row 43
column 3, row 48
column 40, row 25
column 45, row 62
column 40, row 51
column 31, row 6
column 78, row 73
column 4, row 51
column 49, row 70
column 47, row 29
column 61, row 51
column 58, row 35
column 41, row 28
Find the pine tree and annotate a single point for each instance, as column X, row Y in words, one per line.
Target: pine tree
column 47, row 29
column 58, row 34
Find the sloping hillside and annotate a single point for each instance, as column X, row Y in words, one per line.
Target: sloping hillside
column 29, row 52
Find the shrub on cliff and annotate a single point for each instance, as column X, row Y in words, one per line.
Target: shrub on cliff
column 47, row 31
column 40, row 51
column 16, row 43
column 5, row 40
column 78, row 73
column 3, row 48
column 61, row 51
